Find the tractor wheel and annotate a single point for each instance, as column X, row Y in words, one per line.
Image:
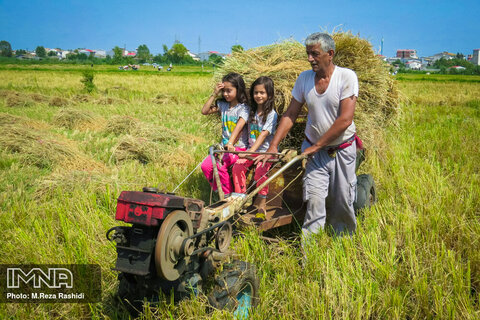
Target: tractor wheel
column 366, row 193
column 131, row 293
column 236, row 289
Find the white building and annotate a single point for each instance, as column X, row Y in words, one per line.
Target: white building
column 445, row 55
column 100, row 54
column 63, row 54
column 413, row 64
column 475, row 57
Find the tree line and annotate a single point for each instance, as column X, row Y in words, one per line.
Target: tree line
column 176, row 54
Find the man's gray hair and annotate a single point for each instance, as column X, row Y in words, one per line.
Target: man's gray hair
column 324, row 39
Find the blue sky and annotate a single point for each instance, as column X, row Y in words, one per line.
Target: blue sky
column 427, row 26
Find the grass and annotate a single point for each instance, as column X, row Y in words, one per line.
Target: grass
column 415, row 254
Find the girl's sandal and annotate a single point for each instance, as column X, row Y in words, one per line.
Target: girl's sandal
column 260, row 216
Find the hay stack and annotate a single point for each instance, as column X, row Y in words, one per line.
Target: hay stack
column 74, row 119
column 141, row 141
column 283, row 62
column 58, row 102
column 41, row 148
column 18, row 99
column 121, row 124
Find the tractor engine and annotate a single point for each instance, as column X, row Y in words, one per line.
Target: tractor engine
column 161, row 238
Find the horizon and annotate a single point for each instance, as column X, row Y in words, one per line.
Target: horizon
column 429, row 29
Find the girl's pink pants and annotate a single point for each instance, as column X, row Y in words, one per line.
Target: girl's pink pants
column 228, row 160
column 239, row 171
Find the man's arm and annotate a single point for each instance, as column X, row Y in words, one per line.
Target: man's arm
column 286, row 123
column 347, row 109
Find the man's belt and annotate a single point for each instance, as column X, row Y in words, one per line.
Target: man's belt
column 332, row 150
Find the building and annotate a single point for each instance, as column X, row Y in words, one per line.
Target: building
column 445, row 55
column 413, row 64
column 205, row 55
column 100, row 54
column 193, row 55
column 407, row 54
column 475, row 57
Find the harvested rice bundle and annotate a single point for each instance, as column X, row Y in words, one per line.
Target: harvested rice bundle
column 81, row 98
column 74, row 119
column 136, row 148
column 121, row 124
column 38, row 97
column 42, row 149
column 109, row 100
column 6, row 119
column 283, row 62
column 129, row 125
column 17, row 99
column 58, row 102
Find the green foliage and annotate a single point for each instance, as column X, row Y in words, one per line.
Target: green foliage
column 5, row 49
column 143, row 53
column 52, row 53
column 177, row 53
column 237, row 48
column 41, row 52
column 215, row 58
column 87, row 81
column 445, row 66
column 20, row 52
column 117, row 55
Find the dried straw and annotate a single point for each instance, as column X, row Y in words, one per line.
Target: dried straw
column 40, row 148
column 58, row 102
column 71, row 118
column 378, row 97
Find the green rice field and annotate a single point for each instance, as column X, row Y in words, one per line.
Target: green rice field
column 65, row 156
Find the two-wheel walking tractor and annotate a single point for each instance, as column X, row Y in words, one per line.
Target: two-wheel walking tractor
column 174, row 244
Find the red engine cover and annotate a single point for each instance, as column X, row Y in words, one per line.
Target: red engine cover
column 145, row 208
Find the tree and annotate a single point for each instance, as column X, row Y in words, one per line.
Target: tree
column 165, row 49
column 143, row 53
column 82, row 56
column 5, row 49
column 117, row 54
column 20, row 52
column 215, row 58
column 177, row 52
column 52, row 53
column 460, row 56
column 237, row 48
column 41, row 52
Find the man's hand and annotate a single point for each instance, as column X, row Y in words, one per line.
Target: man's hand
column 311, row 150
column 230, row 147
column 264, row 157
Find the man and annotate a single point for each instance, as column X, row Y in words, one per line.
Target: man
column 329, row 183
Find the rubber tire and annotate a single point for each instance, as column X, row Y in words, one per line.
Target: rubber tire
column 130, row 293
column 230, row 282
column 366, row 192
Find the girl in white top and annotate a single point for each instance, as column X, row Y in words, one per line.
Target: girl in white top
column 261, row 127
column 234, row 113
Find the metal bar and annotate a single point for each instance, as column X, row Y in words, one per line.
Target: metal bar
column 249, row 152
column 281, row 170
column 133, row 249
column 221, row 195
column 215, row 226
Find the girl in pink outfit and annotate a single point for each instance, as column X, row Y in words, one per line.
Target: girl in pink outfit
column 261, row 127
column 234, row 113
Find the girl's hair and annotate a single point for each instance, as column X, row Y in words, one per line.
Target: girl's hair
column 237, row 81
column 269, row 104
